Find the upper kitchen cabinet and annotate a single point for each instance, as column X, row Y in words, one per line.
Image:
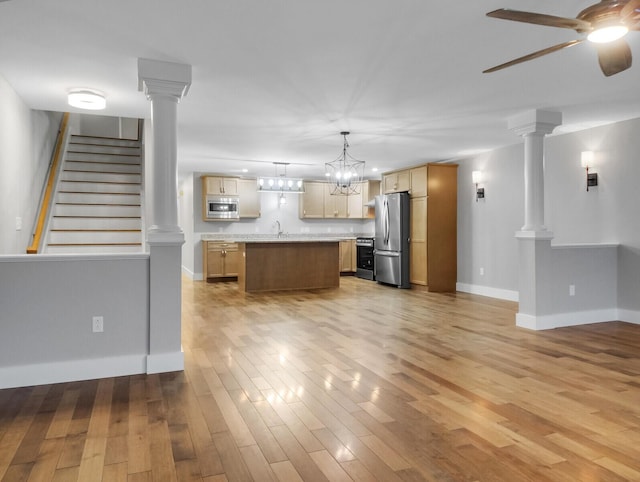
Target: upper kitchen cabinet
column 370, row 189
column 220, row 185
column 354, row 204
column 335, row 206
column 249, row 203
column 243, row 193
column 311, row 203
column 418, row 177
column 396, row 181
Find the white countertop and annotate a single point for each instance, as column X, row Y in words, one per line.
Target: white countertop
column 272, row 238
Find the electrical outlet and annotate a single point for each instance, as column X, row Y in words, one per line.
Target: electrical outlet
column 572, row 290
column 481, row 271
column 18, row 223
column 98, row 324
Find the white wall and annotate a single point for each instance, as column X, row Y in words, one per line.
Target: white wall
column 106, row 126
column 609, row 213
column 27, row 140
column 48, row 302
column 271, row 211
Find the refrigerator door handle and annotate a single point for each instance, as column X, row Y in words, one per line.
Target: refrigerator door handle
column 386, row 220
column 388, row 254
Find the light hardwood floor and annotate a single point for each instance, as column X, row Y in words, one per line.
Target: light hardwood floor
column 364, row 382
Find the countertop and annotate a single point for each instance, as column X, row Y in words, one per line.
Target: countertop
column 286, row 238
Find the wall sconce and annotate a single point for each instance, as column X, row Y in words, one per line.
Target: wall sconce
column 586, row 160
column 476, row 177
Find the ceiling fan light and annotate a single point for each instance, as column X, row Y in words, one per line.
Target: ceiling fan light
column 608, row 34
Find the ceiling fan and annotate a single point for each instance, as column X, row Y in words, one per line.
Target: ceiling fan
column 604, row 23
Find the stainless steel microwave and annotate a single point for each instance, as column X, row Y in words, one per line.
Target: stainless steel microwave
column 219, row 207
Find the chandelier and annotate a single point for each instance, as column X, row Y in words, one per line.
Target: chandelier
column 345, row 173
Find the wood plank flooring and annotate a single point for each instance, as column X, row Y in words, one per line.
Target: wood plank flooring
column 363, row 383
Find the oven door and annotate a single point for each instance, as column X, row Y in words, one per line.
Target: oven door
column 364, row 262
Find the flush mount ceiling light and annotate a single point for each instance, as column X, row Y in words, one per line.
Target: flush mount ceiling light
column 345, row 173
column 86, row 99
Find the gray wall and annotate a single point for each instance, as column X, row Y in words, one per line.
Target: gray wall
column 48, row 303
column 486, row 228
column 27, row 140
column 609, row 213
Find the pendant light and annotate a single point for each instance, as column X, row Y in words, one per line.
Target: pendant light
column 280, row 183
column 345, row 173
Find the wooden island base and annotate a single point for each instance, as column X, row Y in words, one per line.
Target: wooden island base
column 293, row 265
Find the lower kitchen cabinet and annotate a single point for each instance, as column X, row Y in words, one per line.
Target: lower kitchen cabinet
column 220, row 260
column 348, row 256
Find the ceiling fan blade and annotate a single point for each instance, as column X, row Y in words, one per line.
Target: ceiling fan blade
column 614, row 57
column 534, row 55
column 540, row 19
column 631, row 11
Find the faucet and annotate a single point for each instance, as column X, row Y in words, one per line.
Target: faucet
column 279, row 228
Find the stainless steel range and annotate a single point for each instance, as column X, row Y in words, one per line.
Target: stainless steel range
column 365, row 258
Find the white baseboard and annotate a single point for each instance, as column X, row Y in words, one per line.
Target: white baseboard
column 192, row 275
column 488, row 291
column 548, row 322
column 165, row 362
column 629, row 316
column 71, row 371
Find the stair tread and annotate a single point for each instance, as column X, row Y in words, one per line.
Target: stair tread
column 98, row 230
column 94, row 244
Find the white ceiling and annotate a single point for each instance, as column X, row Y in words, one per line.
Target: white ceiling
column 277, row 80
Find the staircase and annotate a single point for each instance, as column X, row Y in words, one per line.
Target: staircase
column 97, row 204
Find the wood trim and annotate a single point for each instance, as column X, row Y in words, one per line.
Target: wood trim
column 46, row 201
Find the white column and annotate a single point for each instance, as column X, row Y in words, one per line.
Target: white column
column 164, row 84
column 533, row 126
column 534, row 241
column 164, row 110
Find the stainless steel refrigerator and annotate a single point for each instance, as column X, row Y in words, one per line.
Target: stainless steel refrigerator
column 392, row 239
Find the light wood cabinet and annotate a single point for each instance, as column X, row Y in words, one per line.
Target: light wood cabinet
column 348, row 256
column 317, row 201
column 220, row 185
column 418, row 176
column 249, row 203
column 442, row 267
column 396, row 181
column 219, row 259
column 335, row 206
column 370, row 189
column 418, row 241
column 311, row 203
column 354, row 204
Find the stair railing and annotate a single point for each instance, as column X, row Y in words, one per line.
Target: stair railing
column 45, row 203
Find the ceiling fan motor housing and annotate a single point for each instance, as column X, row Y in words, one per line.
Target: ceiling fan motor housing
column 606, row 12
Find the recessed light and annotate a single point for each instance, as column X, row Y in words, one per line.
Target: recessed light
column 86, row 99
column 245, row 170
column 374, row 169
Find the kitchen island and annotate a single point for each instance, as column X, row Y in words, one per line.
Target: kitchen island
column 288, row 264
